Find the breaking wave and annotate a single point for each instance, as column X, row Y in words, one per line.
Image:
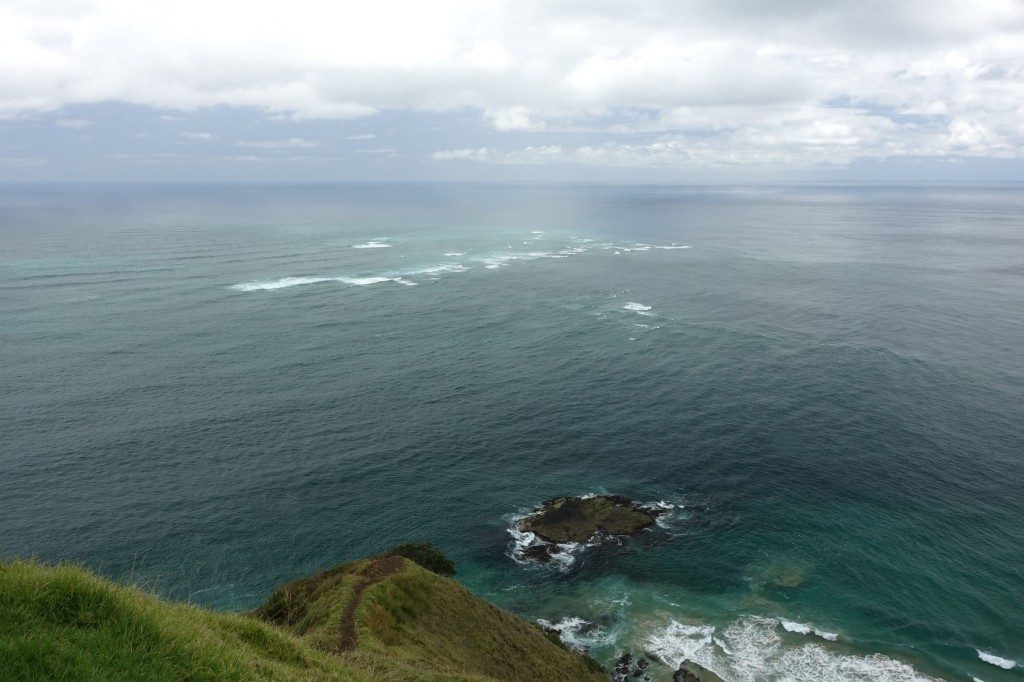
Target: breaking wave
column 491, row 261
column 284, row 282
column 751, row 649
column 804, row 629
column 577, row 633
column 998, row 661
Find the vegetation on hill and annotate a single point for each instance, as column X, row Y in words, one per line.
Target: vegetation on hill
column 383, row 618
column 427, row 556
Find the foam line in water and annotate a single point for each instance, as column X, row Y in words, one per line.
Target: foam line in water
column 577, row 633
column 750, row 648
column 636, row 307
column 280, row 283
column 998, row 661
column 804, row 629
column 286, row 282
column 490, row 262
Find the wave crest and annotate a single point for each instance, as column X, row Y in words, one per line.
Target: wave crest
column 998, row 661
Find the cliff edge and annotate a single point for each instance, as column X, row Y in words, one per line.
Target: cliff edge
column 382, row 618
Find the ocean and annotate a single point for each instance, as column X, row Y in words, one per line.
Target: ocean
column 212, row 389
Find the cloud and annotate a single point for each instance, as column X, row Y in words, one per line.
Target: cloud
column 290, row 143
column 753, row 80
column 73, row 123
column 364, row 136
column 191, row 135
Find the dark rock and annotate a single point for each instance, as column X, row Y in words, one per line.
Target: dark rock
column 541, row 553
column 691, row 672
column 622, row 668
column 683, row 675
column 627, row 667
column 578, row 519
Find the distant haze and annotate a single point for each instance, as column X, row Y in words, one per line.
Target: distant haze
column 574, row 90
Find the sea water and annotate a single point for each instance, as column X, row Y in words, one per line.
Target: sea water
column 214, row 389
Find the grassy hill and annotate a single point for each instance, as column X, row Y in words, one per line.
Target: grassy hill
column 383, row 618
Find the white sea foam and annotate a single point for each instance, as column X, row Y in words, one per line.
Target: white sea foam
column 751, row 649
column 521, row 539
column 501, row 259
column 280, row 283
column 800, row 628
column 566, row 555
column 805, row 629
column 678, row 642
column 636, row 307
column 363, row 281
column 438, row 269
column 998, row 661
column 563, row 555
column 490, row 262
column 577, row 633
column 285, row 282
column 673, row 246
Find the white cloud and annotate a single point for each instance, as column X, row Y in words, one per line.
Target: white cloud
column 467, row 154
column 290, row 143
column 192, row 135
column 74, row 123
column 733, row 81
column 363, row 136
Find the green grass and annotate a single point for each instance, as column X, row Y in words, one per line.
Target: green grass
column 65, row 623
column 422, row 619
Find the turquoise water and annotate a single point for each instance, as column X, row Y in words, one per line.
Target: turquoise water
column 213, row 389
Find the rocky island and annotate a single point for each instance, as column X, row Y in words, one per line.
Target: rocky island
column 565, row 520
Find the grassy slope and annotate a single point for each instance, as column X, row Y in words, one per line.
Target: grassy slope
column 65, row 623
column 419, row 619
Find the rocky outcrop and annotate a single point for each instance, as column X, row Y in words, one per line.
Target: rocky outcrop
column 627, row 668
column 691, row 672
column 579, row 519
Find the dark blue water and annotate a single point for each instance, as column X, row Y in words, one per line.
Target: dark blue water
column 212, row 389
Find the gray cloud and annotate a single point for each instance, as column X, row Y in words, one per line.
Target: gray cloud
column 290, row 143
column 741, row 82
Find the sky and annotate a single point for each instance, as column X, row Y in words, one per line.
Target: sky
column 570, row 90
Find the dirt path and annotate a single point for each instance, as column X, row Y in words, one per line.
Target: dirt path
column 377, row 570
